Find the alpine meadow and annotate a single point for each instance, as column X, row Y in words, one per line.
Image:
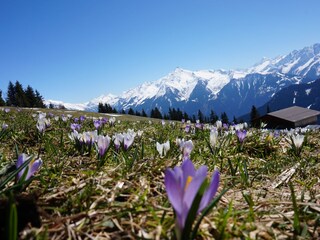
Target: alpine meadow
column 76, row 175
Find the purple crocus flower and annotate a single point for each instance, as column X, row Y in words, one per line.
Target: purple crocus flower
column 241, row 134
column 198, row 124
column 75, row 126
column 104, row 120
column 187, row 128
column 4, row 126
column 182, row 185
column 82, row 118
column 97, row 124
column 128, row 139
column 103, row 143
column 276, row 134
column 34, row 165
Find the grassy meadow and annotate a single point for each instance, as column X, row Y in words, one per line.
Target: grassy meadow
column 272, row 183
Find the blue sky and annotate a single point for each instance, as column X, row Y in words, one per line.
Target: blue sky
column 76, row 50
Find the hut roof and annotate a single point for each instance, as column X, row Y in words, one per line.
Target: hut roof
column 294, row 114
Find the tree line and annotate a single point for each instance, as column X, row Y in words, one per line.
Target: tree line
column 177, row 115
column 17, row 96
column 173, row 114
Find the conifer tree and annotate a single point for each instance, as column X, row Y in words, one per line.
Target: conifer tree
column 224, row 117
column 213, row 117
column 152, row 113
column 138, row 113
column 20, row 95
column 143, row 113
column 2, row 102
column 130, row 111
column 200, row 116
column 254, row 114
column 185, row 116
column 30, row 97
column 11, row 98
column 268, row 108
column 39, row 100
column 155, row 113
column 194, row 118
column 101, row 108
column 235, row 121
column 179, row 114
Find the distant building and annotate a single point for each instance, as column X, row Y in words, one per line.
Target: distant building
column 291, row 117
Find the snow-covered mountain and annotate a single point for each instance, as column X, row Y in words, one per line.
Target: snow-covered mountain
column 176, row 89
column 303, row 95
column 233, row 92
column 238, row 96
column 304, row 63
column 91, row 106
column 70, row 106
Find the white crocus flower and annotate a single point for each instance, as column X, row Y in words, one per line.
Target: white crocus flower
column 297, row 140
column 239, row 126
column 218, row 124
column 187, row 148
column 163, row 148
column 117, row 140
column 213, row 137
column 64, row 118
column 179, row 141
column 74, row 135
column 42, row 123
column 139, row 133
column 112, row 120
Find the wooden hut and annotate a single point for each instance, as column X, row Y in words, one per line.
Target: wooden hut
column 291, row 117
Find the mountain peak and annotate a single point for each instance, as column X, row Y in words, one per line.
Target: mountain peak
column 178, row 69
column 304, row 62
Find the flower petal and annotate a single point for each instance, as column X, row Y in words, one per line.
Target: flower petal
column 21, row 159
column 159, row 148
column 194, row 186
column 188, row 169
column 211, row 191
column 33, row 168
column 174, row 191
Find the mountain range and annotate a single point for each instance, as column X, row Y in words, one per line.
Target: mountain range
column 231, row 91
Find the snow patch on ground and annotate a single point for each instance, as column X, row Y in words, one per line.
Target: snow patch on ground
column 308, row 91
